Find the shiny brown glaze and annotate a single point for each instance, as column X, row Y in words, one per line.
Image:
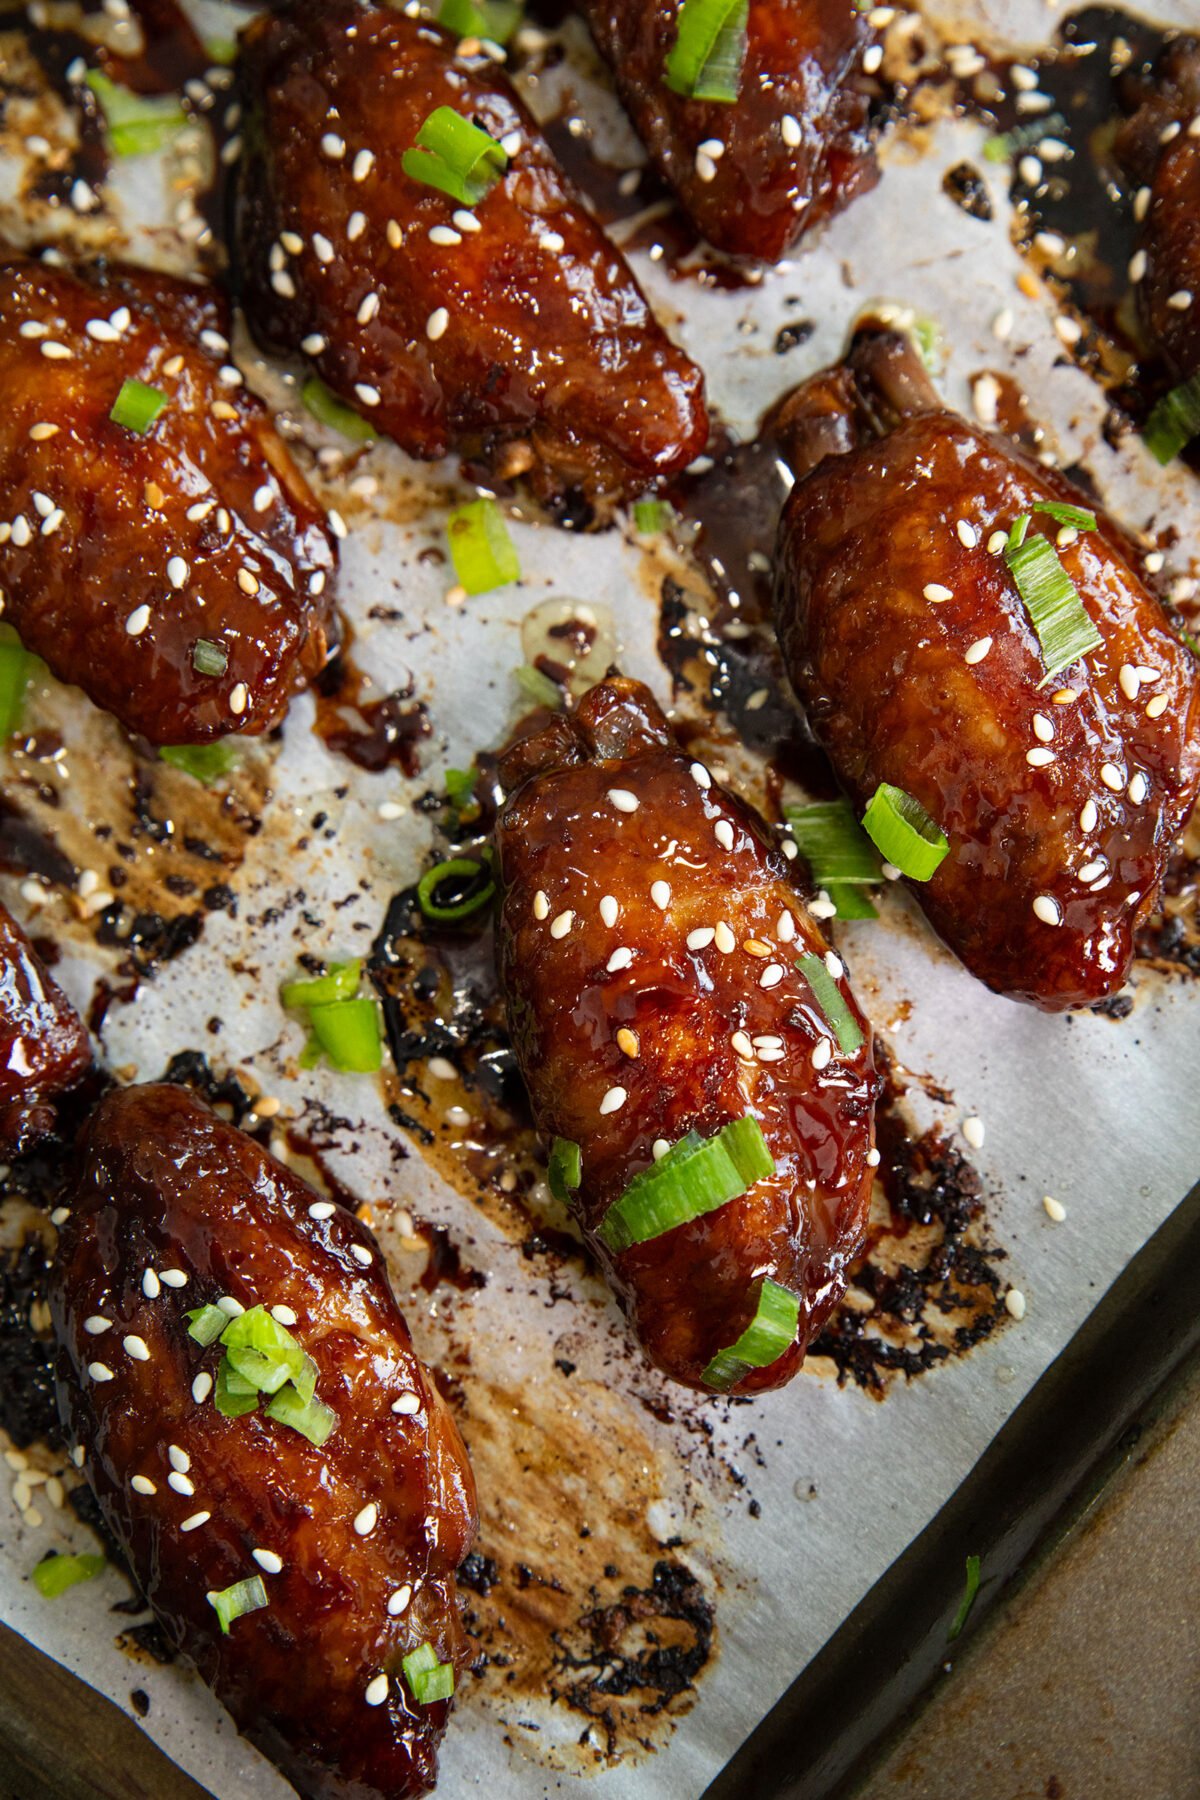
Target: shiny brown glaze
column 93, row 513
column 803, row 60
column 164, row 1184
column 44, row 1048
column 1160, row 153
column 688, row 1292
column 881, row 671
column 551, row 361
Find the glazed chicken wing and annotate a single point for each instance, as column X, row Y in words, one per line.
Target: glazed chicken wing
column 1160, row 149
column 351, row 1542
column 510, row 328
column 175, row 566
column 44, row 1048
column 757, row 173
column 916, row 659
column 651, row 949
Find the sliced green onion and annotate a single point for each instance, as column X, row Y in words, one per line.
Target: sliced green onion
column 311, row 1418
column 138, row 124
column 1057, row 614
column 495, row 20
column 428, row 1678
column 904, row 833
column 564, row 1171
column 481, row 549
column 235, row 1602
column 538, row 687
column 264, row 1352
column 968, row 1599
column 456, row 156
column 833, row 843
column 1174, row 421
column 221, row 51
column 472, row 881
column 348, row 1033
column 55, row 1574
column 203, row 762
column 651, row 515
column 851, row 900
column 695, row 1177
column 137, row 406
column 705, row 61
column 233, row 1395
column 460, row 786
column 769, row 1333
column 206, row 1323
column 1062, row 514
column 340, row 982
column 829, row 998
column 997, row 148
column 16, row 667
column 209, row 658
column 327, row 409
column 1018, row 532
column 311, row 1054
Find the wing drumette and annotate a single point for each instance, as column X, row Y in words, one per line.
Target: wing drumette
column 176, row 567
column 510, row 329
column 651, row 945
column 352, row 1541
column 44, row 1048
column 915, row 657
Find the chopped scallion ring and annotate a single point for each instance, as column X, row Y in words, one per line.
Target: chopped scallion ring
column 311, row 1418
column 903, row 832
column 539, row 688
column 456, row 156
column 1174, row 421
column 460, row 787
column 327, row 409
column 495, row 20
column 233, row 1395
column 481, row 549
column 206, row 1323
column 209, row 658
column 58, row 1572
column 340, row 982
column 203, row 762
column 471, row 885
column 138, row 124
column 829, row 998
column 428, row 1678
column 769, row 1333
column 16, row 666
column 1018, row 532
column 137, row 406
column 1057, row 614
column 696, row 1176
column 833, row 844
column 705, row 61
column 968, row 1599
column 348, row 1033
column 564, row 1171
column 851, row 900
column 1062, row 514
column 264, row 1352
column 651, row 515
column 235, row 1602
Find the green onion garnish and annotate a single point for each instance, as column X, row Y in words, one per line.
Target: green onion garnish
column 832, row 843
column 327, row 409
column 339, row 983
column 16, row 667
column 1062, row 514
column 705, row 61
column 829, row 998
column 138, row 125
column 460, row 787
column 472, row 882
column 1018, row 532
column 137, row 406
column 203, row 762
column 968, row 1599
column 456, row 156
column 221, row 51
column 564, row 1171
column 56, row 1573
column 1174, row 421
column 769, row 1333
column 311, row 1418
column 233, row 1395
column 851, row 901
column 495, row 20
column 904, row 833
column 206, row 1323
column 209, row 658
column 264, row 1353
column 696, row 1176
column 538, row 687
column 651, row 515
column 997, row 148
column 348, row 1033
column 235, row 1602
column 1064, row 630
column 428, row 1678
column 481, row 549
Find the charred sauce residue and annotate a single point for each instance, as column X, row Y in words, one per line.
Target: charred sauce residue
column 372, row 734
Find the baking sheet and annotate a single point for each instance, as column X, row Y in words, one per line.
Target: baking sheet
column 1102, row 1114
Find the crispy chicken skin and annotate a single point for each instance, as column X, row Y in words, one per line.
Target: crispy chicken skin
column 878, row 603
column 120, row 551
column 1170, row 233
column 765, row 190
column 44, row 1048
column 548, row 360
column 164, row 1185
column 568, row 850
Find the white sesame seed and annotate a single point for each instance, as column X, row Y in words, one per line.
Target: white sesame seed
column 362, row 1256
column 202, row 1387
column 195, row 1520
column 233, row 1309
column 613, row 1101
column 366, row 1520
column 1137, row 265
column 1092, row 870
column 977, row 651
column 1138, row 788
column 623, row 800
column 322, row 1209
column 562, row 924
column 407, row 1404
column 466, row 221
column 996, row 542
column 313, row 344
column 174, row 1278
column 283, row 284
column 609, row 910
column 1014, row 1300
column 239, row 699
column 137, row 621
column 660, row 893
column 364, row 162
column 100, row 1371
column 771, row 976
column 700, row 775
column 136, row 1347
column 620, row 959
column 436, row 323
column 1089, row 816
column 1047, row 909
column 872, row 58
column 55, row 351
column 395, row 235
column 935, row 592
column 741, row 1043
column 706, row 168
column 177, row 571
column 1112, row 777
column 97, row 1325
column 1002, row 324
column 398, row 1600
column 60, row 1215
column 972, row 1130
column 1042, row 728
column 1068, row 330
column 968, row 537
column 283, row 1315
column 724, row 939
column 142, row 1484
column 268, row 1560
column 1180, row 300
column 510, row 143
column 376, row 1690
column 835, row 965
column 789, row 130
column 552, row 242
column 44, row 430
column 822, row 1054
column 444, row 236
column 723, row 832
column 1054, row 1208
column 701, row 938
column 985, row 396
column 1156, row 707
column 873, row 1158
column 181, row 1484
column 785, row 928
column 1030, row 170
column 1129, row 680
column 333, row 146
